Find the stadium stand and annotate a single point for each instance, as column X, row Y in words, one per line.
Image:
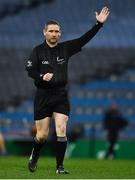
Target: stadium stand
column 103, row 71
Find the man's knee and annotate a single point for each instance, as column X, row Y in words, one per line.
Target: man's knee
column 41, row 136
column 61, row 130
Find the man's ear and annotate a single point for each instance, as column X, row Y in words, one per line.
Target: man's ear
column 44, row 32
column 60, row 33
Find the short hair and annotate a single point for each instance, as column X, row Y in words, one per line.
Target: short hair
column 50, row 23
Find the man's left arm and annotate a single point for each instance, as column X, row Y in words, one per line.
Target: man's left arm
column 100, row 18
column 76, row 44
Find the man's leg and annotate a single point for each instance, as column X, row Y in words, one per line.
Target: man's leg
column 112, row 138
column 2, row 145
column 61, row 143
column 42, row 127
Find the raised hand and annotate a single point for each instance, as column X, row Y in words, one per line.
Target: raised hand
column 103, row 15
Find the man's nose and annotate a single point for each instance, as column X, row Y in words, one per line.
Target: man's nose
column 54, row 33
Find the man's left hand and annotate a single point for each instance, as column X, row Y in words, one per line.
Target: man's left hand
column 103, row 15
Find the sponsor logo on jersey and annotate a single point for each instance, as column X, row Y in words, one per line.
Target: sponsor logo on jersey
column 29, row 63
column 60, row 60
column 45, row 62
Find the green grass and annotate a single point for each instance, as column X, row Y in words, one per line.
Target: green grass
column 16, row 168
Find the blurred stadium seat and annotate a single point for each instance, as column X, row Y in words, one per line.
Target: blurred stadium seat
column 108, row 61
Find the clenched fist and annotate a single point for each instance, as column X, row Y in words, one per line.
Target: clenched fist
column 47, row 76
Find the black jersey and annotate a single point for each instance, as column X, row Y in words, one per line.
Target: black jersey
column 44, row 59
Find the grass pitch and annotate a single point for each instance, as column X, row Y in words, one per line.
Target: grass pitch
column 15, row 167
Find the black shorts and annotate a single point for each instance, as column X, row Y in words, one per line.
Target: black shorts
column 48, row 101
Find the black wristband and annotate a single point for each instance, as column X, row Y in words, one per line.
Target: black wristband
column 99, row 23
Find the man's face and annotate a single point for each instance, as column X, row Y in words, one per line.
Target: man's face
column 52, row 33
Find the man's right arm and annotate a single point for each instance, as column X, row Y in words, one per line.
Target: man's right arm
column 32, row 66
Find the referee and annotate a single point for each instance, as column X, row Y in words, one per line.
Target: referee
column 47, row 65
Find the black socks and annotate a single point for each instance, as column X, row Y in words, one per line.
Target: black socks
column 61, row 145
column 37, row 147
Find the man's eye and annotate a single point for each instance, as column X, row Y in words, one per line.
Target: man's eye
column 53, row 31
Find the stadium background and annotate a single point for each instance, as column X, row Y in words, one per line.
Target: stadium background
column 103, row 72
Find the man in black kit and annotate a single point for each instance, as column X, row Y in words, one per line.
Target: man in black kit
column 47, row 65
column 113, row 123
